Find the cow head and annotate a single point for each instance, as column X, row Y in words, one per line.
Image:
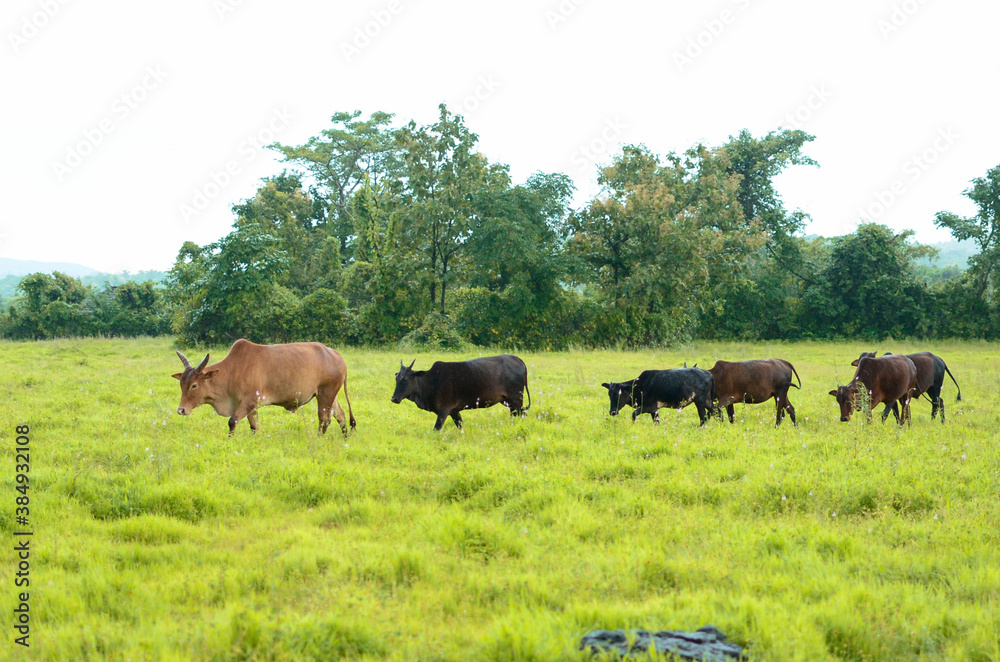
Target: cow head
column 846, row 399
column 195, row 384
column 620, row 395
column 406, row 385
column 863, row 355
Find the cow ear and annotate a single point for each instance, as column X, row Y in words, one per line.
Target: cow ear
column 177, row 375
column 605, row 385
column 209, row 374
column 855, row 362
column 833, row 393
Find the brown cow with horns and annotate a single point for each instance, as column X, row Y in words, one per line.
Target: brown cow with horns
column 253, row 376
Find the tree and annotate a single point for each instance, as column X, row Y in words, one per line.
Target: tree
column 983, row 228
column 238, row 294
column 443, row 177
column 666, row 241
column 296, row 218
column 515, row 295
column 341, row 158
column 868, row 289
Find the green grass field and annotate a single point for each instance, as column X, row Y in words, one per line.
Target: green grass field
column 157, row 537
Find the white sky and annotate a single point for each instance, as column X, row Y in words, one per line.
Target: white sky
column 561, row 84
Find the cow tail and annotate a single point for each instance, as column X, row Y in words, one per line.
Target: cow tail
column 354, row 424
column 526, row 390
column 796, row 377
column 958, row 398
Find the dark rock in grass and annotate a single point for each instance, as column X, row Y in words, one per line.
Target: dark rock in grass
column 708, row 644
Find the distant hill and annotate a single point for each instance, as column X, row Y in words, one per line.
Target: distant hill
column 949, row 253
column 952, row 252
column 12, row 267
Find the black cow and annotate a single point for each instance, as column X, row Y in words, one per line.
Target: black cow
column 654, row 389
column 449, row 387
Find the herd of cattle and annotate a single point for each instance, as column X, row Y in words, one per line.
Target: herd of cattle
column 291, row 375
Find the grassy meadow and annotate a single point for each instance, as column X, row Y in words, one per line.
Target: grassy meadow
column 157, row 537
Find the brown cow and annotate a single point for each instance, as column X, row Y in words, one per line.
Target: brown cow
column 930, row 378
column 253, row 376
column 754, row 382
column 888, row 379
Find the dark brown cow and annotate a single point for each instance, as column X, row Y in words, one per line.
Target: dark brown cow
column 754, row 382
column 253, row 376
column 930, row 378
column 449, row 387
column 888, row 379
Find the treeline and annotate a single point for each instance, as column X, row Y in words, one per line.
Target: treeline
column 376, row 234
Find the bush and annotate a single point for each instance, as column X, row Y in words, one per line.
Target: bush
column 436, row 332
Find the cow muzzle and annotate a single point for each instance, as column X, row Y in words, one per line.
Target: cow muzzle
column 844, row 419
column 182, row 411
column 394, row 400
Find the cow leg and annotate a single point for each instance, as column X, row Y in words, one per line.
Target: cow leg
column 731, row 410
column 252, row 420
column 442, row 417
column 655, row 413
column 242, row 411
column 905, row 418
column 791, row 412
column 890, row 407
column 704, row 413
column 940, row 404
column 326, row 403
column 457, row 417
column 338, row 413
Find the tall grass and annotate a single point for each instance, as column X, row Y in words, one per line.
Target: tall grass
column 157, row 537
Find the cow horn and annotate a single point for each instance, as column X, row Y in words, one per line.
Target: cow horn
column 184, row 360
column 204, row 362
column 411, row 363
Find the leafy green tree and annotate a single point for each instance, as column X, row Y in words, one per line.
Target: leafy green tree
column 515, row 294
column 341, row 158
column 868, row 289
column 444, row 176
column 665, row 242
column 297, row 220
column 50, row 306
column 238, row 294
column 983, row 228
